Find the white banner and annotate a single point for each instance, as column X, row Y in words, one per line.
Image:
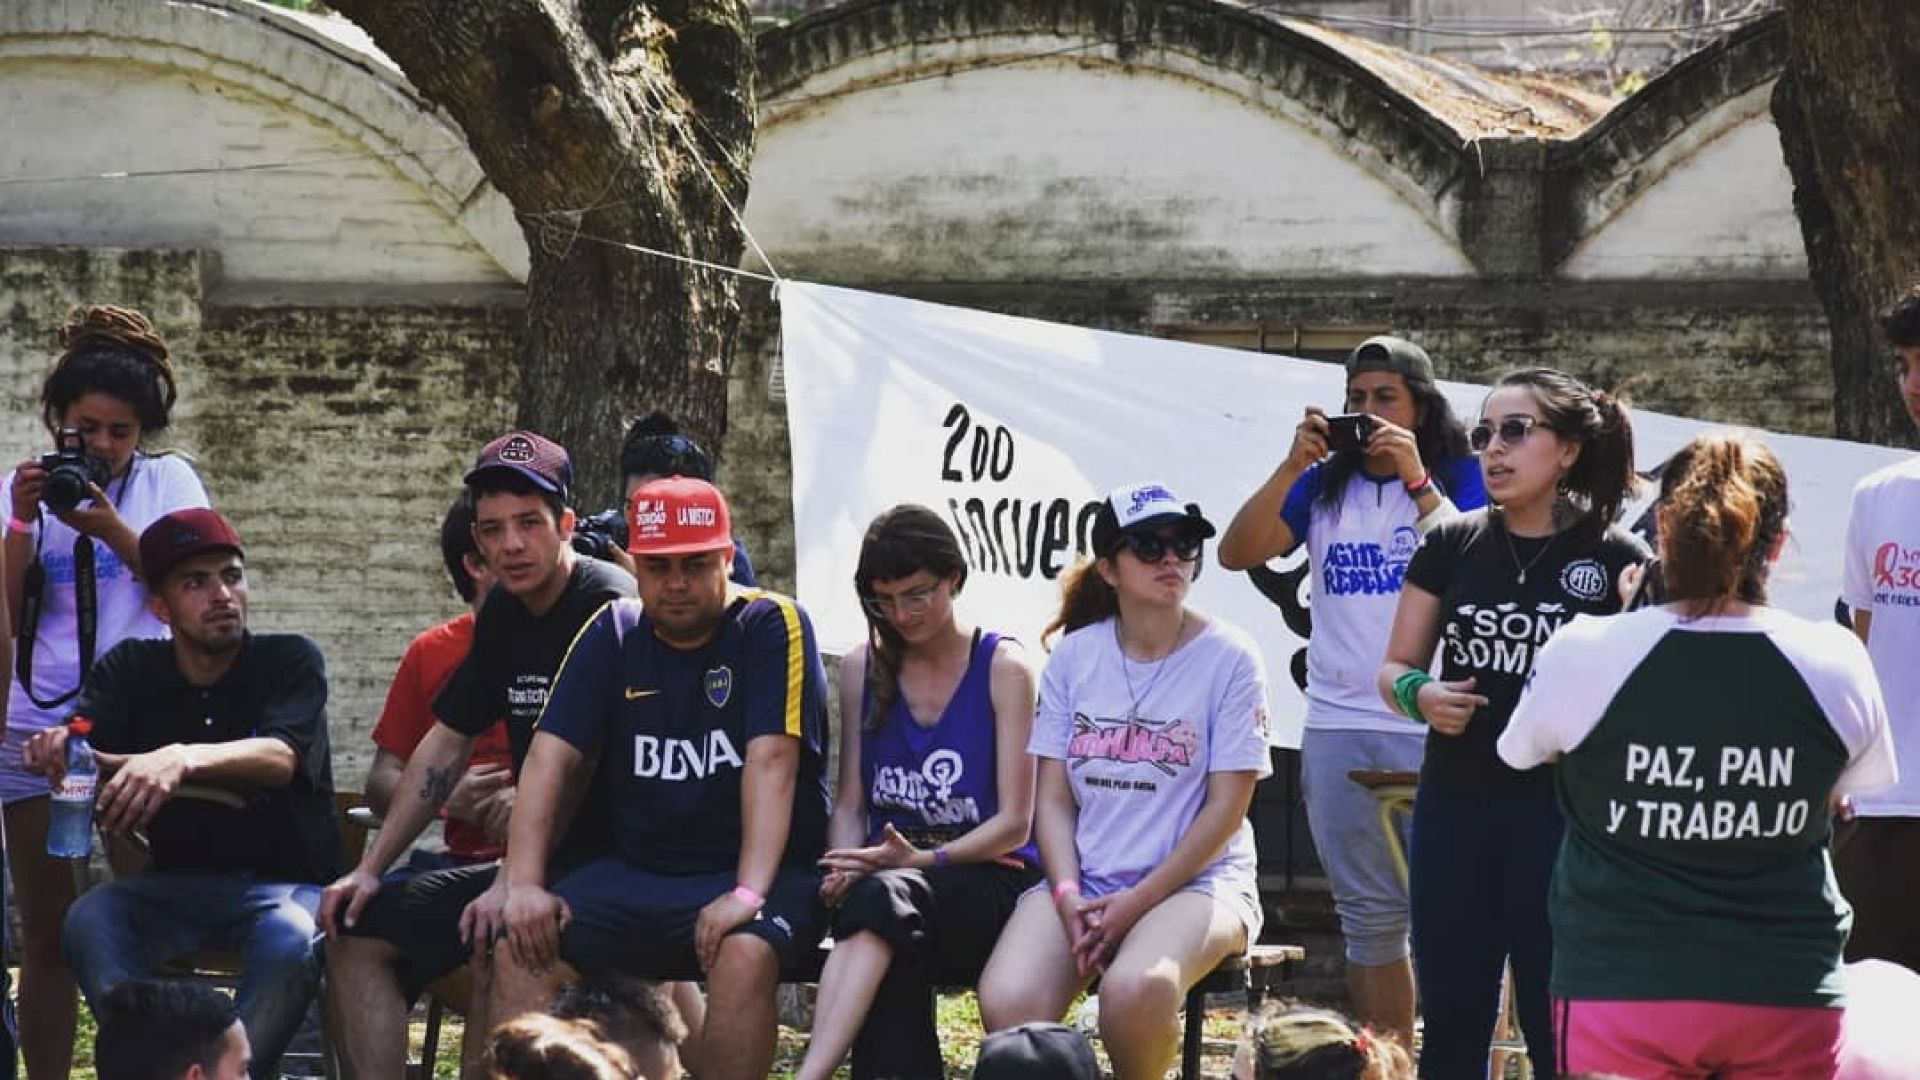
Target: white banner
column 1013, row 428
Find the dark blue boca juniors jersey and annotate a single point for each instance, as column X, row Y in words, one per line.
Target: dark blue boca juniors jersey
column 674, row 726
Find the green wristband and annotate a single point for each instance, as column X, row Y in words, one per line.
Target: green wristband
column 1406, row 691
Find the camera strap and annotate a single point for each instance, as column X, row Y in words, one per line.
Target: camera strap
column 86, row 618
column 86, row 605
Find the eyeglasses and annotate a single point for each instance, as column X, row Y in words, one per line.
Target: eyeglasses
column 1513, row 430
column 1151, row 549
column 906, row 605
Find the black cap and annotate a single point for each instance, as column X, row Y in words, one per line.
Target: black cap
column 1036, row 1051
column 1391, row 354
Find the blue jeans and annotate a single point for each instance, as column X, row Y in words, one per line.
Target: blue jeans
column 1481, row 865
column 128, row 929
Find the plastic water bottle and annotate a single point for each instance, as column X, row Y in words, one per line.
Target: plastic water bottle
column 70, row 830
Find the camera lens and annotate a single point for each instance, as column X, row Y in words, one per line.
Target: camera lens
column 66, row 487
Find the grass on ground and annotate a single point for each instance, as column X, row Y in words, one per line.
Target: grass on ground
column 958, row 1020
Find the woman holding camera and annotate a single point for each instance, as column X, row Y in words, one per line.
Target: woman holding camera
column 74, row 534
column 1359, row 501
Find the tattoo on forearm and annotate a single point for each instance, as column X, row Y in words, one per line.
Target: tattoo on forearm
column 438, row 785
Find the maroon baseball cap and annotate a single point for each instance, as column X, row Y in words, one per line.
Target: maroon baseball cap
column 533, row 456
column 180, row 536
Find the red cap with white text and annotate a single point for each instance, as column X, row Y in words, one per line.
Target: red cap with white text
column 678, row 515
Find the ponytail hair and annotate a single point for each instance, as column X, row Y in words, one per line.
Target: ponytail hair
column 114, row 351
column 1085, row 599
column 1602, row 476
column 1723, row 507
column 540, row 1047
column 900, row 542
column 1301, row 1043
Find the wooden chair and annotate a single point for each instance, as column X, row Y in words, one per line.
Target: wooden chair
column 1252, row 974
column 224, row 966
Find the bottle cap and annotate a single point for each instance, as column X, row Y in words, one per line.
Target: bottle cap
column 80, row 725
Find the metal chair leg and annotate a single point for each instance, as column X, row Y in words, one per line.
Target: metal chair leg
column 1190, row 1045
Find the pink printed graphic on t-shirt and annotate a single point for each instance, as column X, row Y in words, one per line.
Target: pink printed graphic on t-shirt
column 1895, row 567
column 1168, row 747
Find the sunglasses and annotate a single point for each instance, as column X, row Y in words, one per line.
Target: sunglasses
column 1151, row 549
column 1513, row 430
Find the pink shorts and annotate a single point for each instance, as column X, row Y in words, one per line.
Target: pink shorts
column 1685, row 1040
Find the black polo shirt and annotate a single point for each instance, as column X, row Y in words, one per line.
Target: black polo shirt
column 139, row 701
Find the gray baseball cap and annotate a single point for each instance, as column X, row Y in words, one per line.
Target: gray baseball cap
column 1392, row 354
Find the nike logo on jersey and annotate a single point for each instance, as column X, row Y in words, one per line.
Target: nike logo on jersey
column 635, row 695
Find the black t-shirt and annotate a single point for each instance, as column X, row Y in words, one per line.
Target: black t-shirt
column 510, row 668
column 1491, row 622
column 277, row 688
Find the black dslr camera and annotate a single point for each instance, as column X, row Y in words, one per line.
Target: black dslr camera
column 599, row 535
column 70, row 471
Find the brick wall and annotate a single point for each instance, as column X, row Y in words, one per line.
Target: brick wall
column 333, row 437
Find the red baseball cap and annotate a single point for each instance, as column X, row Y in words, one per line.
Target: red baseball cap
column 678, row 515
column 180, row 536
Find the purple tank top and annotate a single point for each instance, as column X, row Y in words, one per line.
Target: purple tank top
column 935, row 783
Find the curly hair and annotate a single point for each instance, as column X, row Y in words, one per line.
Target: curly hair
column 114, row 351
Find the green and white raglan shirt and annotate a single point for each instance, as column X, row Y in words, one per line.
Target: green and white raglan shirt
column 1697, row 758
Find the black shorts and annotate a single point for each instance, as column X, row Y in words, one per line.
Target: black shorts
column 1877, row 862
column 419, row 914
column 639, row 922
column 943, row 920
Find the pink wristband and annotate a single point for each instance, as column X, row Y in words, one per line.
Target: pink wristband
column 1063, row 888
column 1419, row 487
column 748, row 897
column 20, row 525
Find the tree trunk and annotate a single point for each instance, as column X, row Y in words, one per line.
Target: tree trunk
column 1848, row 108
column 603, row 122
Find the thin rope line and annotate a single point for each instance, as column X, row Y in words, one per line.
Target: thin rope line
column 674, row 256
column 207, row 170
column 700, row 159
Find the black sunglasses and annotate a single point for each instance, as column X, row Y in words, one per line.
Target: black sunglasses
column 1513, row 430
column 1149, row 548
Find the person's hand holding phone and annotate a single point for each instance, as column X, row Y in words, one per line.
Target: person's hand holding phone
column 1309, row 440
column 1349, row 431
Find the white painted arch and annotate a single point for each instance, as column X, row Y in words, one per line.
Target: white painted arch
column 1027, row 164
column 298, row 155
column 1713, row 202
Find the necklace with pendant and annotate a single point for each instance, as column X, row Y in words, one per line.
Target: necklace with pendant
column 1134, row 700
column 1520, row 571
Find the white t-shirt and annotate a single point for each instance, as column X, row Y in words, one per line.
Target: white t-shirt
column 1139, row 768
column 1883, row 576
column 155, row 485
column 1583, row 670
column 1359, row 552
